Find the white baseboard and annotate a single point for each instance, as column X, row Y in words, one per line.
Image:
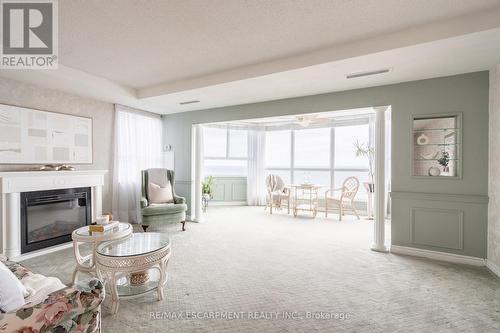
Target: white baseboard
column 190, row 219
column 436, row 255
column 227, row 203
column 42, row 251
column 493, row 267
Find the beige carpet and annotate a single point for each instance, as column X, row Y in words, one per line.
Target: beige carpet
column 276, row 271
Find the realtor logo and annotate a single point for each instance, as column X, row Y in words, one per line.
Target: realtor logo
column 29, row 34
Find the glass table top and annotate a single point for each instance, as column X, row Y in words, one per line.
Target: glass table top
column 84, row 231
column 136, row 244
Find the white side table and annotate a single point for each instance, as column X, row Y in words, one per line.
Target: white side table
column 144, row 254
column 83, row 235
column 307, row 200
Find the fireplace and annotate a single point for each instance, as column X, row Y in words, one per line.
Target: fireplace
column 49, row 217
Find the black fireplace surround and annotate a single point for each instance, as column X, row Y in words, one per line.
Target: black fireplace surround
column 49, row 217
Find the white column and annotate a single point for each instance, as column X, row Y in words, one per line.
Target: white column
column 13, row 225
column 379, row 223
column 198, row 172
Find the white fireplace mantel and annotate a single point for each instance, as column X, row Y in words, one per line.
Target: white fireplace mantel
column 12, row 184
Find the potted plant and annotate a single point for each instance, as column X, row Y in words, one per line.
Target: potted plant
column 444, row 160
column 367, row 151
column 207, row 187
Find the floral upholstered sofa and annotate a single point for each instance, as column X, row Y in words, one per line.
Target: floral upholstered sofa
column 72, row 309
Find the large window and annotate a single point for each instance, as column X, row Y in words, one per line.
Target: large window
column 345, row 136
column 225, row 151
column 215, row 140
column 323, row 156
column 346, row 162
column 312, row 148
column 238, row 143
column 278, row 149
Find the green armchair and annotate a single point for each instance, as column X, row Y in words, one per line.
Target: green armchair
column 159, row 214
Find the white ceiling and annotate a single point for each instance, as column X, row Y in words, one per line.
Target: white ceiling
column 155, row 54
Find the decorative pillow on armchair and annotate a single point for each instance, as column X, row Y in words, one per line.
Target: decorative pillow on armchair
column 159, row 194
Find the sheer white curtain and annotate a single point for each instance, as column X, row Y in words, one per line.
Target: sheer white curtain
column 256, row 189
column 137, row 146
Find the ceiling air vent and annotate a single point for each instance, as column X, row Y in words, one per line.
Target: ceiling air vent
column 189, row 102
column 367, row 73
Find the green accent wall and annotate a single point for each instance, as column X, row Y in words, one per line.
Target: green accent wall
column 448, row 215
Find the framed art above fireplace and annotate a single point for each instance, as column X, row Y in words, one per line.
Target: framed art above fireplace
column 29, row 136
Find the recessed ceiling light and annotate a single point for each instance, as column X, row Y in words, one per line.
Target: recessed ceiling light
column 189, row 102
column 367, row 73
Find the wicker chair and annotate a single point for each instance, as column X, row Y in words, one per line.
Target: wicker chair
column 278, row 194
column 345, row 202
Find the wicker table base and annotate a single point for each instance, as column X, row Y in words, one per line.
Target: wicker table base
column 131, row 273
column 139, row 278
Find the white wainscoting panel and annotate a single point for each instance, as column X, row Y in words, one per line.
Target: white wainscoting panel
column 429, row 225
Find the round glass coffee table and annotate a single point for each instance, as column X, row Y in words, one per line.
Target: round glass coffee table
column 134, row 266
column 83, row 235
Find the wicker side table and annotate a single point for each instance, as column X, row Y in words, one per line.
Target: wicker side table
column 134, row 266
column 83, row 235
column 306, row 200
